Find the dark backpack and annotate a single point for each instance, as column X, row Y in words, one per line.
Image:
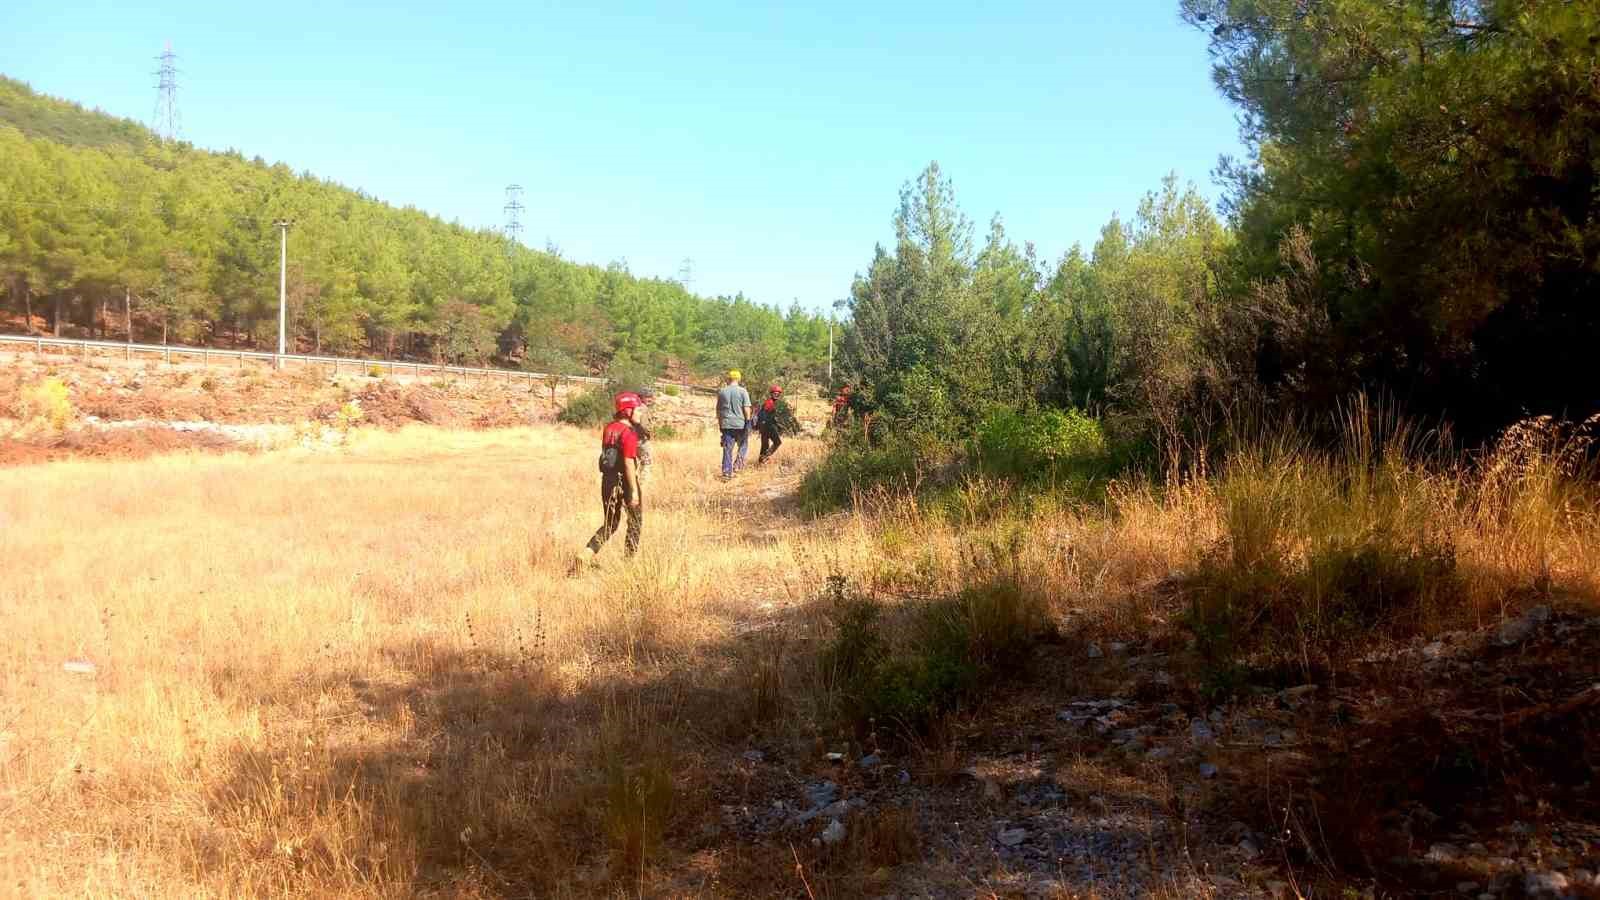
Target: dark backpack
column 611, row 449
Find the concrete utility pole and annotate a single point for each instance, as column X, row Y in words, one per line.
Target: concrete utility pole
column 283, row 287
column 832, row 313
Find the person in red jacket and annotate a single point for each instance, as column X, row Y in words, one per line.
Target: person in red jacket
column 619, row 480
column 767, row 424
column 841, row 407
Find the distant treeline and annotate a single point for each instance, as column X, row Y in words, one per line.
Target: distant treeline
column 95, row 209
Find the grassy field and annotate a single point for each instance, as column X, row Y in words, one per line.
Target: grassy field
column 363, row 672
column 287, row 647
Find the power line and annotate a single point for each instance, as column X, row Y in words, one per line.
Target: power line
column 514, row 210
column 166, row 122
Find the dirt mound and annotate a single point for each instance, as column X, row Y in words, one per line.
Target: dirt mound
column 117, row 443
column 390, row 405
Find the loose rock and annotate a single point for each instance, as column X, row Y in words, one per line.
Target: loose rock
column 1013, row 836
column 834, row 833
column 1520, row 629
column 1443, row 853
column 822, row 793
column 1543, row 884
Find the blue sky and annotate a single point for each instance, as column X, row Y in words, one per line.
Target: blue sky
column 766, row 143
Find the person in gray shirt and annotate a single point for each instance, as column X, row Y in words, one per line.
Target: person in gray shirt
column 733, row 417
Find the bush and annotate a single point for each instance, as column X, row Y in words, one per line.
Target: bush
column 47, row 404
column 1322, row 552
column 951, row 647
column 590, row 409
column 671, row 390
column 375, row 371
column 853, row 465
column 1040, row 444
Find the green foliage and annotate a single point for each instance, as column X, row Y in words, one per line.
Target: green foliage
column 671, row 390
column 851, row 466
column 349, row 416
column 940, row 336
column 590, row 409
column 1438, row 161
column 374, row 371
column 948, row 649
column 627, row 374
column 47, row 404
column 1040, row 444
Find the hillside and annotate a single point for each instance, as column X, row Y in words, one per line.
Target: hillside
column 97, row 211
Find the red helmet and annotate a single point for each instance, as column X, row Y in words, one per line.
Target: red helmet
column 776, row 389
column 628, row 401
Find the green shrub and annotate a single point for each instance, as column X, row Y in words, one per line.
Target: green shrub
column 375, row 371
column 856, row 647
column 590, row 409
column 46, row 403
column 663, row 432
column 349, row 416
column 852, row 465
column 671, row 390
column 949, row 648
column 1045, row 443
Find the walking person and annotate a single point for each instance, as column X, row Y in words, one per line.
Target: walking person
column 619, row 481
column 841, row 407
column 733, row 418
column 767, row 424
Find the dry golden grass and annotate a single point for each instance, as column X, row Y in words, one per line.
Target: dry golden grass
column 363, row 672
column 283, row 643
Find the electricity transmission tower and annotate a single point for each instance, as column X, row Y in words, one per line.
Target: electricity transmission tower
column 686, row 273
column 514, row 210
column 166, row 120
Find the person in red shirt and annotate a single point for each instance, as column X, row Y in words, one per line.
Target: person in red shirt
column 767, row 424
column 619, row 480
column 841, row 407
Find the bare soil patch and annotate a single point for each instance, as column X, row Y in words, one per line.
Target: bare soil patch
column 116, row 443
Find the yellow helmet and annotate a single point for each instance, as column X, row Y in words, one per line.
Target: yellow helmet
column 733, row 374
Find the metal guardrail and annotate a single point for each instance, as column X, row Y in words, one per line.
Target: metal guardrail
column 39, row 343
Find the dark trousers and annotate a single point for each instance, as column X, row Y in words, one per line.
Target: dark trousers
column 771, row 440
column 615, row 497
